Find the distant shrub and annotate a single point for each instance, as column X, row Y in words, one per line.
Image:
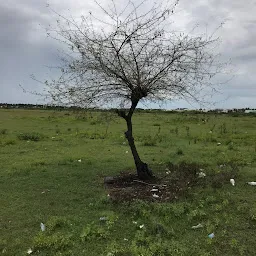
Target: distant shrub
column 149, row 141
column 3, row 131
column 92, row 136
column 94, row 122
column 179, row 152
column 30, row 136
column 8, row 142
column 231, row 146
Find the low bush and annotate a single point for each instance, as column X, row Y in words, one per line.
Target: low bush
column 33, row 136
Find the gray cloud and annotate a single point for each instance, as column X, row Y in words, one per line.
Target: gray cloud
column 24, row 48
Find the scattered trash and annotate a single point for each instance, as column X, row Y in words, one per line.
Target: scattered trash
column 253, row 183
column 108, row 195
column 126, row 152
column 42, row 226
column 232, row 181
column 218, row 144
column 154, row 190
column 201, row 175
column 197, row 226
column 79, row 160
column 44, row 191
column 134, row 222
column 155, row 196
column 211, row 235
column 29, row 251
column 125, row 239
column 142, row 226
column 103, row 218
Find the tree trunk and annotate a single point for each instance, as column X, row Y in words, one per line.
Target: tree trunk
column 143, row 170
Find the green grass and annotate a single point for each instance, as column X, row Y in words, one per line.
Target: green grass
column 41, row 180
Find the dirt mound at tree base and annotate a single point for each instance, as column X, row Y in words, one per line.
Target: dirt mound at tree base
column 176, row 181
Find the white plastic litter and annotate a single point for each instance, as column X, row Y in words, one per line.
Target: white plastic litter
column 201, row 175
column 197, row 226
column 142, row 226
column 103, row 218
column 29, row 251
column 42, row 226
column 155, row 196
column 218, row 144
column 232, row 181
column 79, row 160
column 211, row 235
column 253, row 183
column 154, row 190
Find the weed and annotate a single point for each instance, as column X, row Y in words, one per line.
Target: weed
column 54, row 242
column 33, row 136
column 93, row 231
column 179, row 152
column 94, row 122
column 148, row 141
column 188, row 130
column 177, row 131
column 55, row 223
column 8, row 142
column 3, row 131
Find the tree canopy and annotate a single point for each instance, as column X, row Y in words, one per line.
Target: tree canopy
column 131, row 53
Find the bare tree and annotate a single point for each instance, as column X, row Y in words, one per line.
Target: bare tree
column 129, row 55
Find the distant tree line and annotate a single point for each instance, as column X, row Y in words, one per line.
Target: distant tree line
column 181, row 110
column 36, row 106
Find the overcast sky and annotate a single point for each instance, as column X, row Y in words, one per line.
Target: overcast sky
column 25, row 49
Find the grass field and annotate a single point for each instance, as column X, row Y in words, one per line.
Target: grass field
column 43, row 180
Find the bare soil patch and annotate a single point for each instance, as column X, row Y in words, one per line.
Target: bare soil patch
column 173, row 184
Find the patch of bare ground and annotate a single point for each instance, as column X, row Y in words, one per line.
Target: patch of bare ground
column 176, row 181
